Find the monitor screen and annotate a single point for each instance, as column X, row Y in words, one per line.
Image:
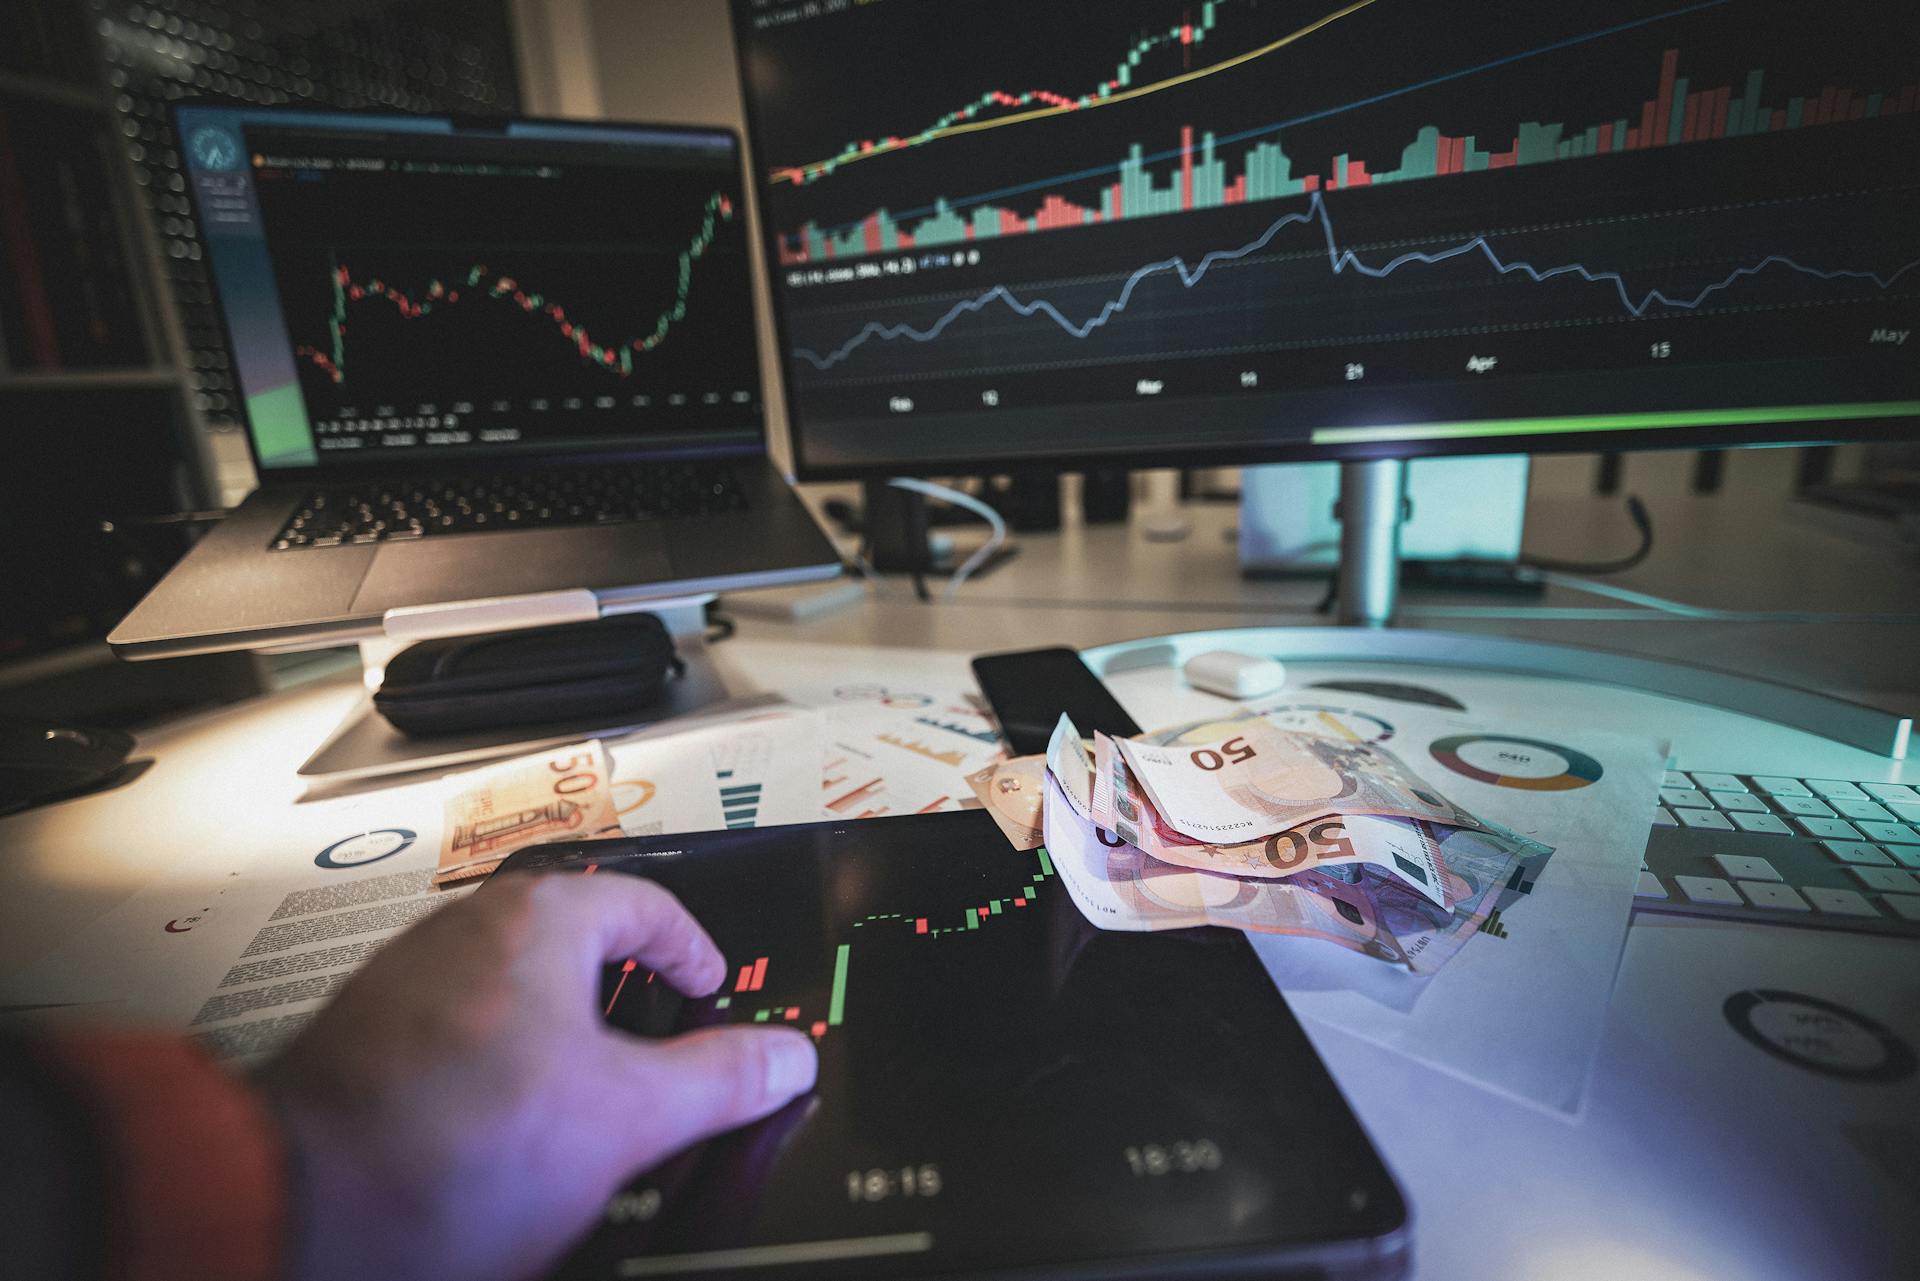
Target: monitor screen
column 399, row 285
column 1229, row 230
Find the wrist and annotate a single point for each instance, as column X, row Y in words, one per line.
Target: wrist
column 349, row 1214
column 194, row 1162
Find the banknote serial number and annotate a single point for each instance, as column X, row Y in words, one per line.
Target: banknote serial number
column 1186, row 1156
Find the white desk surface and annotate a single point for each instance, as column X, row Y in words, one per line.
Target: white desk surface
column 1693, row 1156
column 1092, row 585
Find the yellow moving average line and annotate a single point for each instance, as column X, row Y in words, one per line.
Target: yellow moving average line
column 785, row 173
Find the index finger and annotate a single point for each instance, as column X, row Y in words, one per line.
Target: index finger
column 614, row 918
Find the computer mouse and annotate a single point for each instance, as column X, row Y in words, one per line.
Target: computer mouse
column 41, row 760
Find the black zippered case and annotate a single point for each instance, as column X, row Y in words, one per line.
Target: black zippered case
column 536, row 674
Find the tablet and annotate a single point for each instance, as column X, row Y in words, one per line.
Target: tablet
column 1004, row 1091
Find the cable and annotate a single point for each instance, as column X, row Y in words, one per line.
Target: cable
column 1637, row 511
column 1642, row 599
column 995, row 522
column 719, row 626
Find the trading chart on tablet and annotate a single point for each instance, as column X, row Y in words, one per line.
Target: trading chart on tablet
column 1002, row 1087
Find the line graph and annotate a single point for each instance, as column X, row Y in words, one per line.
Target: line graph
column 1339, row 261
column 479, row 282
column 1117, row 88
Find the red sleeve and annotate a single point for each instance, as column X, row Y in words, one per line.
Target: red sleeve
column 196, row 1167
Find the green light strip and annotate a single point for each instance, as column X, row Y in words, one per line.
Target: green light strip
column 1618, row 422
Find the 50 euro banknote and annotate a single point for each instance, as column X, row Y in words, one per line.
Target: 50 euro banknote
column 1396, row 848
column 558, row 795
column 1117, row 886
column 1256, row 779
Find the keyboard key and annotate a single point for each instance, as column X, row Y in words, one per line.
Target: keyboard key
column 1891, row 833
column 1744, row 867
column 1663, row 819
column 1905, row 855
column 1761, row 823
column 1905, row 811
column 1738, row 802
column 1891, row 792
column 1836, row 828
column 1649, row 886
column 1886, row 880
column 1718, row 782
column 1834, row 789
column 1674, row 778
column 1709, row 889
column 1857, row 852
column 1858, row 810
column 1839, row 902
column 1712, row 819
column 1769, row 894
column 1774, row 786
column 1684, row 798
column 1907, row 905
column 1805, row 806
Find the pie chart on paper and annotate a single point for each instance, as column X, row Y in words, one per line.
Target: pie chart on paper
column 1526, row 763
column 1331, row 722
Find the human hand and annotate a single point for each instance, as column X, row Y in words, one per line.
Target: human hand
column 460, row 1110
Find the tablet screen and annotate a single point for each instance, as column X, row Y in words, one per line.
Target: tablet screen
column 1002, row 1087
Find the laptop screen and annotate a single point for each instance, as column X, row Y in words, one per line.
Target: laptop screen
column 398, row 288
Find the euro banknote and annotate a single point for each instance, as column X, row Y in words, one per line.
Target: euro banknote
column 557, row 795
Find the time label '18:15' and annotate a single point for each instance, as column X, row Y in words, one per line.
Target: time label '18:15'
column 882, row 1185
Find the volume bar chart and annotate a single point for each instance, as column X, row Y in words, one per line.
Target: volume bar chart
column 1194, row 175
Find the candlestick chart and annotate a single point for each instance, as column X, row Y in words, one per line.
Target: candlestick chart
column 479, row 283
column 474, row 299
column 807, row 989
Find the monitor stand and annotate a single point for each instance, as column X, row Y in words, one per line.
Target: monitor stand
column 1289, row 526
column 1372, row 507
column 1373, row 504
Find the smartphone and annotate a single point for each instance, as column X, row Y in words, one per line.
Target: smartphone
column 1029, row 689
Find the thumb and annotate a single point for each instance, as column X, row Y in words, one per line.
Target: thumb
column 704, row 1083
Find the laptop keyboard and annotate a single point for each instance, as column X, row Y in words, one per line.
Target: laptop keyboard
column 1807, row 851
column 389, row 511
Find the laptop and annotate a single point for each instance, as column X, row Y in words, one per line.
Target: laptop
column 475, row 360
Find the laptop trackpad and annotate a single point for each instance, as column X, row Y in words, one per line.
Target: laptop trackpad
column 471, row 566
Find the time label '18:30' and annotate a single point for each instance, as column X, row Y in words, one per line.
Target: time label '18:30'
column 1185, row 1156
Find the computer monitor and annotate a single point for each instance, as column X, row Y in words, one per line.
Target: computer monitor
column 1187, row 232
